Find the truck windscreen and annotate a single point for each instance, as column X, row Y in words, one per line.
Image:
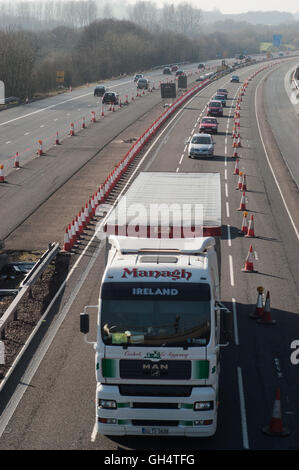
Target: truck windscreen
column 156, row 314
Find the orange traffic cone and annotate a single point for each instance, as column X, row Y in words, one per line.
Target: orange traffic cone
column 2, row 179
column 57, row 139
column 244, row 227
column 259, row 309
column 239, row 185
column 276, row 427
column 244, row 186
column 266, row 319
column 236, row 170
column 72, row 129
column 242, row 203
column 250, row 232
column 17, row 161
column 102, row 113
column 248, row 268
column 40, row 148
column 69, row 231
column 83, row 122
column 66, row 244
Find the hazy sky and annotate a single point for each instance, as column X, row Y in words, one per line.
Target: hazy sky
column 238, row 6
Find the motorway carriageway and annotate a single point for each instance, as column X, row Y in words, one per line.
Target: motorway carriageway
column 53, row 405
column 21, row 127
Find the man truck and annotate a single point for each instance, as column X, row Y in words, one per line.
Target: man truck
column 160, row 321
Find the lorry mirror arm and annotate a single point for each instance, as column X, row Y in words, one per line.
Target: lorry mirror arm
column 84, row 323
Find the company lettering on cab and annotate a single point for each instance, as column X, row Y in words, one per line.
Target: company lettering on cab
column 174, row 275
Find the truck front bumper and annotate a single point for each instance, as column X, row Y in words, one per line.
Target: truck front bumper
column 160, row 416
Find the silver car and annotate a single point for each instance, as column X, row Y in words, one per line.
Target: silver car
column 143, row 83
column 201, row 145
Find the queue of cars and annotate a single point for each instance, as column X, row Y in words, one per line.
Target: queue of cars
column 202, row 144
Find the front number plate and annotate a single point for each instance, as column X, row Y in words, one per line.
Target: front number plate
column 154, row 431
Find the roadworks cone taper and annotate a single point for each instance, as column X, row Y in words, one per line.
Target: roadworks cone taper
column 266, row 319
column 276, row 427
column 259, row 309
column 248, row 268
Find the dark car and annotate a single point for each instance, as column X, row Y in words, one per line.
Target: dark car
column 220, row 97
column 222, row 91
column 174, row 68
column 215, row 108
column 179, row 72
column 235, row 79
column 167, row 71
column 110, row 98
column 99, row 90
column 201, row 66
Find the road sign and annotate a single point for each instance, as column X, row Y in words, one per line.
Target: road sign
column 277, row 40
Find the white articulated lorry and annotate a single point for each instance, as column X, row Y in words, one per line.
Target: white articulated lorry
column 159, row 313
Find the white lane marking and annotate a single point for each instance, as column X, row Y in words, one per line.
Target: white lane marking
column 229, row 239
column 227, row 208
column 181, row 159
column 225, row 174
column 226, row 190
column 8, row 142
column 270, row 166
column 27, row 133
column 235, row 321
column 243, row 410
column 177, row 170
column 185, row 148
column 42, row 125
column 94, row 432
column 231, row 270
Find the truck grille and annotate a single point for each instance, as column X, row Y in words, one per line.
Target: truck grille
column 139, row 390
column 159, row 370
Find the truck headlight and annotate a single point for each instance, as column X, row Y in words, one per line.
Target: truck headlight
column 107, row 404
column 203, row 405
